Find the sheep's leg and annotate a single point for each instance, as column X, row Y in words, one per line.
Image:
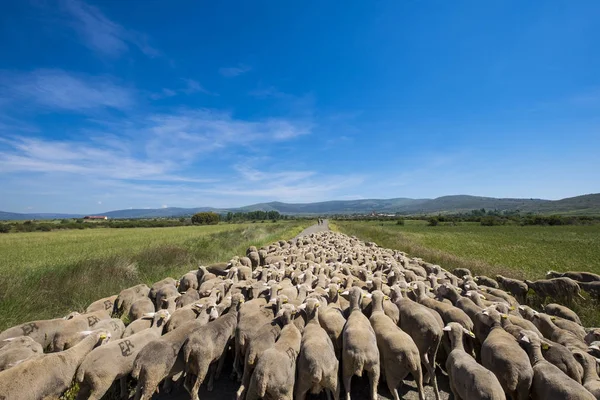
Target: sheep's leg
column 196, row 387
column 221, row 364
column 211, row 376
column 374, row 378
column 417, row 374
column 347, row 386
column 301, row 391
column 245, row 382
column 124, row 389
column 430, row 365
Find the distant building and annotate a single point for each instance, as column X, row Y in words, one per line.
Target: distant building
column 95, row 217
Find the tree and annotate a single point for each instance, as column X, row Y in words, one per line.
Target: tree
column 205, row 218
column 433, row 221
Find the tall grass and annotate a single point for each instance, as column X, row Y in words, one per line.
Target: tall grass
column 526, row 252
column 46, row 275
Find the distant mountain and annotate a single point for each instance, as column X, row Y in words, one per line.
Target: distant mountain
column 581, row 205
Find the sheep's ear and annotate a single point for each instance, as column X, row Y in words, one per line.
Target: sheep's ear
column 148, row 315
column 552, row 318
column 369, row 295
column 525, row 338
column 485, row 312
column 511, row 308
column 503, row 316
column 592, row 347
column 386, row 297
column 468, row 332
column 447, row 328
column 302, row 306
column 545, row 346
column 345, row 292
column 483, row 297
column 85, row 333
column 522, row 308
column 12, row 338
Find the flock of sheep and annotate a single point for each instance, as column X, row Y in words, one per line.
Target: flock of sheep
column 305, row 316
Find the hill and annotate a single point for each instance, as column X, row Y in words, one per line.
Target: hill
column 580, row 205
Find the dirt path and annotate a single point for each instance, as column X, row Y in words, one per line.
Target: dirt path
column 314, row 229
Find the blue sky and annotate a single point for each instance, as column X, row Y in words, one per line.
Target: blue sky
column 109, row 105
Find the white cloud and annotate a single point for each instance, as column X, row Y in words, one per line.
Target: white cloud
column 103, row 35
column 58, row 89
column 232, row 72
column 164, row 206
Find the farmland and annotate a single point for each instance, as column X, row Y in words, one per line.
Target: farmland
column 47, row 274
column 524, row 252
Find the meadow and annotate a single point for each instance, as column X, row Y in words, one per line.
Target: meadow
column 523, row 252
column 48, row 274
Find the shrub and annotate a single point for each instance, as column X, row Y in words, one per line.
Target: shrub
column 4, row 228
column 206, row 218
column 433, row 221
column 400, row 221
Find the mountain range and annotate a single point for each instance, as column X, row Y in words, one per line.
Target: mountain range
column 588, row 204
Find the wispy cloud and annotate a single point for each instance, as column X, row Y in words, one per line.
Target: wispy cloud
column 58, row 89
column 193, row 86
column 232, row 72
column 101, row 34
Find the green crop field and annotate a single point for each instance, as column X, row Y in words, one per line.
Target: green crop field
column 524, row 252
column 48, row 274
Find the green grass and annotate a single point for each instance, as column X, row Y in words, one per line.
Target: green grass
column 523, row 252
column 48, row 274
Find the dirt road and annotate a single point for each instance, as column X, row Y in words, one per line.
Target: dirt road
column 314, row 229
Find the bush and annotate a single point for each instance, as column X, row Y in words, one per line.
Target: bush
column 4, row 228
column 433, row 221
column 206, row 218
column 400, row 221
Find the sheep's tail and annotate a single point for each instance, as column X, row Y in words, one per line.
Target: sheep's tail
column 359, row 366
column 80, row 374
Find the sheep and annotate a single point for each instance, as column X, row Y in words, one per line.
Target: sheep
column 265, row 337
column 72, row 327
column 460, row 272
column 114, row 326
column 274, row 375
column 485, row 281
column 422, row 325
column 562, row 311
column 556, row 334
column 157, row 360
column 549, row 382
column 468, row 379
column 448, row 312
column 399, row 353
column 186, row 298
column 105, row 364
column 42, row 331
column 139, row 325
column 140, row 307
column 592, row 335
column 254, row 259
column 558, row 288
column 48, row 375
column 17, row 350
column 575, row 275
column 594, row 349
column 360, row 352
column 106, row 304
column 554, row 353
column 127, row 297
column 157, row 285
column 501, row 354
column 207, row 345
column 593, row 288
column 165, row 292
column 317, row 362
column 570, row 326
column 591, row 381
column 516, row 287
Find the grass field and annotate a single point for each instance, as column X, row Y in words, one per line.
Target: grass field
column 524, row 252
column 48, row 274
